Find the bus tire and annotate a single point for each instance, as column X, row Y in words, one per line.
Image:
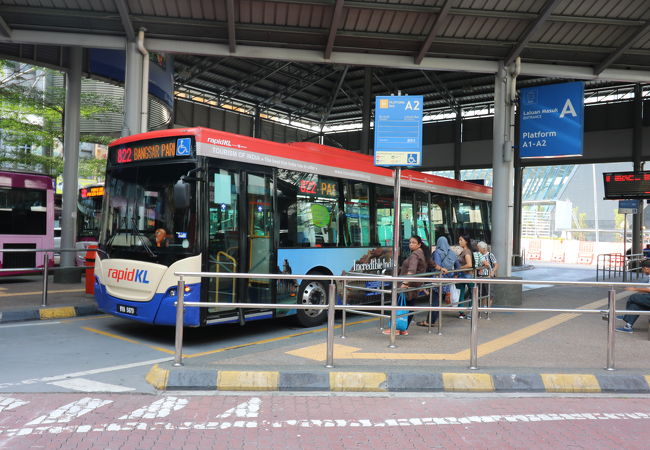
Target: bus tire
column 312, row 292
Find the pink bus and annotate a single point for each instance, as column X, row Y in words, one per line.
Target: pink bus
column 26, row 220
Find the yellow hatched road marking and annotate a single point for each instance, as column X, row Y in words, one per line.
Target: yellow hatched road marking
column 318, row 352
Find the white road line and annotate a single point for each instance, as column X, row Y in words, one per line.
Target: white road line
column 85, row 373
column 159, row 408
column 7, row 403
column 322, row 423
column 70, row 411
column 247, row 409
column 34, row 324
column 85, row 385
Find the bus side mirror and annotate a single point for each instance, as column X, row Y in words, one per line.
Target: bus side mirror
column 181, row 195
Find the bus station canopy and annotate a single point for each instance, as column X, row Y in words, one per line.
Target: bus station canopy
column 305, row 58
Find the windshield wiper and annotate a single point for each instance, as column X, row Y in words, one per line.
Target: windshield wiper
column 145, row 242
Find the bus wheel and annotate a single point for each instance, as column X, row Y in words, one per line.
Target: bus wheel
column 312, row 292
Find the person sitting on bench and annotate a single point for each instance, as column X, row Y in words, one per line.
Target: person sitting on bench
column 636, row 302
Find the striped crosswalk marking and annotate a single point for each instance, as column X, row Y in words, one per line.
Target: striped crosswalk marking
column 249, row 409
column 7, row 403
column 70, row 411
column 85, row 385
column 159, row 408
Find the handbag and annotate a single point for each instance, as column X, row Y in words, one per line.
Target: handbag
column 455, row 294
column 401, row 320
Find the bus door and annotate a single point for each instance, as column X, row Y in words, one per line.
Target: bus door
column 421, row 213
column 259, row 235
column 223, row 254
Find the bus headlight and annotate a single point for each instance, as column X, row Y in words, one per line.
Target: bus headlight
column 172, row 291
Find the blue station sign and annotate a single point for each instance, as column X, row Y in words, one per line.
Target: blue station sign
column 398, row 130
column 551, row 120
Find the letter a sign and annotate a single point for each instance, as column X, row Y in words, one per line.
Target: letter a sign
column 551, row 120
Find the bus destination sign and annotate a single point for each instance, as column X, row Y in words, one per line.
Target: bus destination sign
column 95, row 191
column 142, row 151
column 620, row 185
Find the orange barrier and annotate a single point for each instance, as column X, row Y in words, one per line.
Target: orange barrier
column 90, row 269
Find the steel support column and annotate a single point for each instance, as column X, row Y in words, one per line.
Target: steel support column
column 458, row 142
column 71, row 165
column 637, row 149
column 132, row 90
column 503, row 172
column 367, row 108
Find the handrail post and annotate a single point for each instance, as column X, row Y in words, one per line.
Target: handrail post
column 330, row 325
column 610, row 329
column 473, row 363
column 344, row 314
column 180, row 295
column 440, row 312
column 45, row 267
column 430, row 312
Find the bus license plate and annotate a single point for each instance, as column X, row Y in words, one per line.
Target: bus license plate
column 130, row 310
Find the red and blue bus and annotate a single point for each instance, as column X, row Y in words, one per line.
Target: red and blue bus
column 89, row 210
column 203, row 200
column 26, row 220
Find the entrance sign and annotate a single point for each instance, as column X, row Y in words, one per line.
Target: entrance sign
column 551, row 120
column 628, row 206
column 398, row 130
column 626, row 185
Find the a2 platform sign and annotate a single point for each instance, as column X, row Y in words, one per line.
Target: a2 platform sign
column 551, row 120
column 398, row 130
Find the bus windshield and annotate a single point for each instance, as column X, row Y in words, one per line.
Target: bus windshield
column 141, row 219
column 89, row 215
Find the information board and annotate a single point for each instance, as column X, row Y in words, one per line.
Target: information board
column 628, row 206
column 551, row 120
column 398, row 130
column 619, row 185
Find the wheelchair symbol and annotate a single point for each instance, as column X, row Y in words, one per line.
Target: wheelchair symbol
column 183, row 146
column 412, row 158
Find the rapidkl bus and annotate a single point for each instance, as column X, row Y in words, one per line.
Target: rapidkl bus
column 26, row 219
column 89, row 209
column 203, row 200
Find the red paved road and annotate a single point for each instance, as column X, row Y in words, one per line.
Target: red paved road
column 302, row 421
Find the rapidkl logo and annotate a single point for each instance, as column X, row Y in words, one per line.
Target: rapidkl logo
column 135, row 275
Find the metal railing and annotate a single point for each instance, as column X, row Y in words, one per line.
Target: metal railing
column 45, row 270
column 332, row 307
column 614, row 265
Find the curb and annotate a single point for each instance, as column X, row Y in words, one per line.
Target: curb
column 58, row 312
column 179, row 378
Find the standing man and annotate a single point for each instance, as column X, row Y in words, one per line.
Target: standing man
column 637, row 302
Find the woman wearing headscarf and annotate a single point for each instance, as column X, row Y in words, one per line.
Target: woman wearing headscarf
column 444, row 260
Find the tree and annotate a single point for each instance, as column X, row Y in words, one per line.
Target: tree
column 31, row 118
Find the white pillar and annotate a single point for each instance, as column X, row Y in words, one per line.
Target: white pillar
column 71, row 156
column 503, row 172
column 132, row 90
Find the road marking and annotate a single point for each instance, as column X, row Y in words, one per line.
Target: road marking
column 85, row 373
column 85, row 385
column 247, row 409
column 132, row 341
column 266, row 341
column 70, row 411
column 56, row 291
column 31, row 324
column 159, row 408
column 7, row 403
column 66, row 413
column 318, row 352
